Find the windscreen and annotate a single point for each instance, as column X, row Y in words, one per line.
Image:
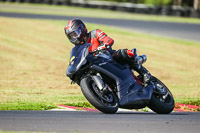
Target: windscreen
column 77, row 58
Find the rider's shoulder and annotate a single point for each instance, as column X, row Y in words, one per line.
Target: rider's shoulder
column 95, row 33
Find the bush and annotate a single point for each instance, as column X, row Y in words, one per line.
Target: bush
column 158, row 2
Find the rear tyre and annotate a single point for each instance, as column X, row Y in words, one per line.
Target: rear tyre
column 105, row 102
column 162, row 101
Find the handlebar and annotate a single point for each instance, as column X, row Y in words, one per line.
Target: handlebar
column 100, row 49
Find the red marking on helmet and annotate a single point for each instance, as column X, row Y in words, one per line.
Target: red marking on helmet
column 130, row 53
column 68, row 25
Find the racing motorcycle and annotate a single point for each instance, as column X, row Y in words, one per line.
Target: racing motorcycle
column 109, row 85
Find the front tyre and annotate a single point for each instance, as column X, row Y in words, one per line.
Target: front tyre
column 162, row 101
column 105, row 102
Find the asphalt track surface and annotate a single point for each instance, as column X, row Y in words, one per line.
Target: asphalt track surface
column 97, row 122
column 183, row 31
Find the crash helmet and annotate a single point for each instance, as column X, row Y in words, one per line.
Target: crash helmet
column 76, row 30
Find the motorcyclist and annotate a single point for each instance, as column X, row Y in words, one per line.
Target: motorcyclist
column 77, row 34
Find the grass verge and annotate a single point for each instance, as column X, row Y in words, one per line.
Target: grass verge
column 24, row 105
column 34, row 56
column 190, row 101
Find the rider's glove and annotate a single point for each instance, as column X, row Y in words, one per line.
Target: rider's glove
column 104, row 46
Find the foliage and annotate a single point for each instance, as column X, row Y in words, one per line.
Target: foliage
column 158, row 2
column 149, row 2
column 117, row 0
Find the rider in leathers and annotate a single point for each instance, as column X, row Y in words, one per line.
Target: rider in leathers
column 76, row 32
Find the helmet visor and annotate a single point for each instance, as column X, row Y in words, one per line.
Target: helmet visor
column 74, row 34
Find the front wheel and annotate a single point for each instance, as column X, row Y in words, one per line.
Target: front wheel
column 106, row 102
column 162, row 101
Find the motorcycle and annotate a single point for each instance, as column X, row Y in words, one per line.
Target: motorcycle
column 109, row 85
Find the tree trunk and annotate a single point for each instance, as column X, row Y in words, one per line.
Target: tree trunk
column 196, row 4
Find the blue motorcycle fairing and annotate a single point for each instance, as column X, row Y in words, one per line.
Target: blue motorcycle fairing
column 129, row 91
column 77, row 58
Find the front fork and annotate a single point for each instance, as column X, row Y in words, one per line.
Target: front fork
column 144, row 76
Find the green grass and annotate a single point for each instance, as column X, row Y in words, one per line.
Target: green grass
column 24, row 105
column 191, row 101
column 34, row 55
column 21, row 132
column 88, row 12
column 80, row 104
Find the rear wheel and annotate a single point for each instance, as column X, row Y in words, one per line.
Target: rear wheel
column 162, row 101
column 105, row 101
